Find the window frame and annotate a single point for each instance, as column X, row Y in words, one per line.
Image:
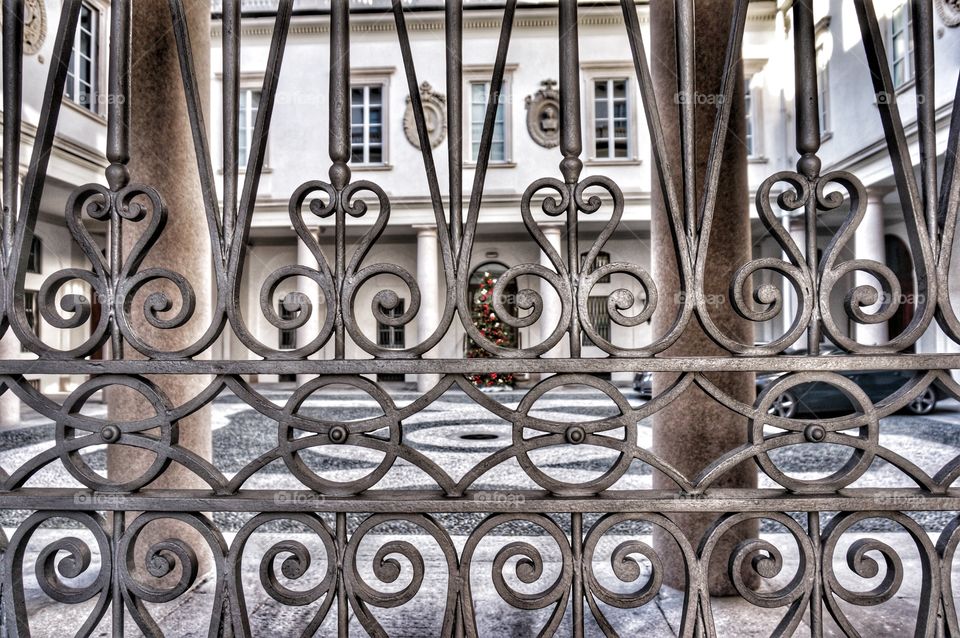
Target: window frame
column 291, row 333
column 393, row 331
column 366, row 124
column 476, row 74
column 892, row 34
column 592, row 72
column 97, row 72
column 369, row 76
column 603, row 327
column 611, row 139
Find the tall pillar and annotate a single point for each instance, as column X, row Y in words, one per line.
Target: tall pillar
column 162, row 156
column 552, row 307
column 868, row 243
column 9, row 402
column 795, row 226
column 694, row 429
column 428, row 279
column 309, row 289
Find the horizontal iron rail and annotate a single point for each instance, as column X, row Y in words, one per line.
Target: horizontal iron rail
column 484, row 365
column 531, row 501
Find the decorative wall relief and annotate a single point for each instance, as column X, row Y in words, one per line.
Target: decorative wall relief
column 434, row 115
column 543, row 115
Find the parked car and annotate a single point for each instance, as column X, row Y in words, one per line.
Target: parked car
column 816, row 398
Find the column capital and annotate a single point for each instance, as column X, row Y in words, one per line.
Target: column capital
column 425, row 229
column 876, row 193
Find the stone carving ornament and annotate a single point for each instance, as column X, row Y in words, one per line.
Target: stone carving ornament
column 34, row 26
column 434, row 115
column 949, row 11
column 543, row 115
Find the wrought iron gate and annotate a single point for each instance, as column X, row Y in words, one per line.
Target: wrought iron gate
column 575, row 515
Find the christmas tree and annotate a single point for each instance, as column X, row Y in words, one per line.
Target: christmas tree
column 495, row 331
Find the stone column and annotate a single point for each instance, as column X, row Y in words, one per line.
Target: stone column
column 309, row 289
column 428, row 279
column 162, row 156
column 868, row 243
column 552, row 308
column 695, row 430
column 9, row 402
column 795, row 226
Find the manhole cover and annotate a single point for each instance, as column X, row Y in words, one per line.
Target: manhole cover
column 478, row 436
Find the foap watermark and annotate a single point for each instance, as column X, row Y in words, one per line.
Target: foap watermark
column 502, row 500
column 294, row 498
column 700, row 99
column 100, row 500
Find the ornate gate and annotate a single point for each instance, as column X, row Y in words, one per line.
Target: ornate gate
column 571, row 517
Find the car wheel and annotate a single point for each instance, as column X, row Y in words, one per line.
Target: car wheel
column 925, row 402
column 784, row 406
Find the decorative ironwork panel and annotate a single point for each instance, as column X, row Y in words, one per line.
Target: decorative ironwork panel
column 103, row 566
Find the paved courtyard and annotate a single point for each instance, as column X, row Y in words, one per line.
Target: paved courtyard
column 458, row 433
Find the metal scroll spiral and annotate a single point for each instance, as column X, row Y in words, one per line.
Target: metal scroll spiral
column 135, row 203
column 528, row 569
column 766, row 301
column 295, row 566
column 858, row 300
column 622, row 299
column 387, row 568
column 169, row 567
column 628, row 569
column 862, row 560
column 322, row 203
column 761, row 560
column 66, row 558
column 529, row 300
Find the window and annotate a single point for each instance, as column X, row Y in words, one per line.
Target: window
column 35, row 258
column 81, row 87
column 479, row 93
column 601, row 260
column 749, row 134
column 391, row 336
column 249, row 106
column 32, row 311
column 823, row 89
column 611, row 113
column 599, row 319
column 288, row 338
column 366, row 103
column 901, row 45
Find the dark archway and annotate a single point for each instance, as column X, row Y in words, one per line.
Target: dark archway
column 901, row 263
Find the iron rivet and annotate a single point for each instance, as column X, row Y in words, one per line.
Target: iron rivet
column 815, row 433
column 575, row 434
column 338, row 434
column 110, row 433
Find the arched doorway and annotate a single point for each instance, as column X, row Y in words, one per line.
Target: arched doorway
column 480, row 291
column 901, row 263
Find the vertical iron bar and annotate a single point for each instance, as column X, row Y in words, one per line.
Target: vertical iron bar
column 12, row 115
column 339, row 142
column 118, row 138
column 343, row 610
column 926, row 107
column 454, row 42
column 116, row 610
column 685, row 34
column 231, row 114
column 118, row 109
column 571, row 145
column 808, row 140
column 816, row 607
column 576, row 546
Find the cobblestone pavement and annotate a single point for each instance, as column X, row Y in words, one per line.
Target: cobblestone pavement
column 458, row 433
